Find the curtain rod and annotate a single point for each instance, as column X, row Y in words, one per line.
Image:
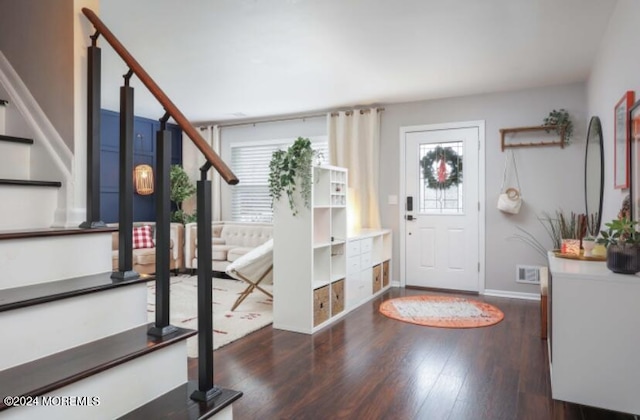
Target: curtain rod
column 295, row 117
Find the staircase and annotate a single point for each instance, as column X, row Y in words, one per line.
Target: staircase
column 76, row 343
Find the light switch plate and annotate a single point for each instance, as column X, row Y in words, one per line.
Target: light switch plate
column 393, row 200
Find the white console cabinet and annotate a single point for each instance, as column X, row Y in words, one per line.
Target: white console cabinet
column 368, row 259
column 594, row 335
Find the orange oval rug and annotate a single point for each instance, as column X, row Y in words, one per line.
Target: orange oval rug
column 442, row 311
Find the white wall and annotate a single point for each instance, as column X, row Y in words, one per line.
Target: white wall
column 37, row 38
column 307, row 127
column 615, row 70
column 551, row 178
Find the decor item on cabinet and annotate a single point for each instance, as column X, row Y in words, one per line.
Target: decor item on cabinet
column 510, row 199
column 181, row 188
column 561, row 121
column 634, row 122
column 621, row 141
column 623, row 246
column 589, row 240
column 442, row 168
column 594, row 175
column 588, row 243
column 288, row 167
column 572, row 229
column 625, row 208
column 143, row 177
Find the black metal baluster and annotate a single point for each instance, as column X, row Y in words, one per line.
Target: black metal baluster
column 125, row 217
column 206, row 390
column 163, row 230
column 94, row 57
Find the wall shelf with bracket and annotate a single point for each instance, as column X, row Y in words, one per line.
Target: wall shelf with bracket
column 505, row 131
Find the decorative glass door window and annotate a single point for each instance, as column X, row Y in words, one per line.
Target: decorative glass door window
column 441, row 186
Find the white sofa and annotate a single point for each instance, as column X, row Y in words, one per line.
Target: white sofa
column 230, row 240
column 144, row 259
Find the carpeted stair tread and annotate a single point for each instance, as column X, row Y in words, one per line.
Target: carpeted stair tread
column 12, row 139
column 21, row 297
column 49, row 373
column 177, row 405
column 43, row 232
column 30, row 183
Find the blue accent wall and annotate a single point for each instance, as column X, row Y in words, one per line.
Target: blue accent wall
column 144, row 151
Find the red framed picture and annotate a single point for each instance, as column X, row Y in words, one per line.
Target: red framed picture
column 634, row 122
column 621, row 141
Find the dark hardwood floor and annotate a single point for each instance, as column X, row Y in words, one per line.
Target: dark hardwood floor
column 367, row 366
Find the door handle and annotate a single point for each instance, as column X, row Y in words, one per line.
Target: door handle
column 410, row 218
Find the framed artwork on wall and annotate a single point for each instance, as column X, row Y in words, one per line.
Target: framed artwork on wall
column 621, row 141
column 634, row 128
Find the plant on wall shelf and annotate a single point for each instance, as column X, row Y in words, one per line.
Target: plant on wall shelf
column 561, row 119
column 287, row 167
column 181, row 188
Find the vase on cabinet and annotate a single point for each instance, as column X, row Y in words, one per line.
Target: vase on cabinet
column 623, row 258
column 588, row 245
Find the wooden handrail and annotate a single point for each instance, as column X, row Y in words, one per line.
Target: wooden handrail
column 211, row 156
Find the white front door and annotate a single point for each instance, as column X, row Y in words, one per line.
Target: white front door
column 442, row 208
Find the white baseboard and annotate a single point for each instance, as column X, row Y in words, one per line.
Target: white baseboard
column 512, row 295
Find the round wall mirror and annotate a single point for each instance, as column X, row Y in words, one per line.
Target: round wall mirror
column 594, row 174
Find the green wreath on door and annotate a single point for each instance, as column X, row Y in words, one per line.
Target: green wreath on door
column 448, row 171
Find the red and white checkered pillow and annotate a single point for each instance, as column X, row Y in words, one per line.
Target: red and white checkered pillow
column 142, row 237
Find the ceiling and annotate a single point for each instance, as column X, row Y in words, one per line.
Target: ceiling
column 220, row 60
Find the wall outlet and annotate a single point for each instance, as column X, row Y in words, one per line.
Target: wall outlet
column 529, row 274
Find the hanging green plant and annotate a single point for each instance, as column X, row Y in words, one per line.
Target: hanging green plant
column 448, row 171
column 288, row 167
column 561, row 119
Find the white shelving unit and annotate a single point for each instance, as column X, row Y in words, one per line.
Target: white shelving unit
column 310, row 255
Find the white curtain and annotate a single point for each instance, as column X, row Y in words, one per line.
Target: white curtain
column 354, row 143
column 192, row 160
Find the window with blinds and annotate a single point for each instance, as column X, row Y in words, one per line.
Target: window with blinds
column 250, row 199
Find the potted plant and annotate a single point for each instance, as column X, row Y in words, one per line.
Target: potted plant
column 181, row 188
column 291, row 168
column 561, row 119
column 623, row 246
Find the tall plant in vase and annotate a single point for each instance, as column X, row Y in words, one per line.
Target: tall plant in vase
column 181, row 188
column 572, row 229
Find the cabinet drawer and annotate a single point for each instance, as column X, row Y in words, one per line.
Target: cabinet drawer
column 376, row 280
column 366, row 245
column 337, row 297
column 353, row 248
column 353, row 264
column 365, row 260
column 320, row 305
column 385, row 273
